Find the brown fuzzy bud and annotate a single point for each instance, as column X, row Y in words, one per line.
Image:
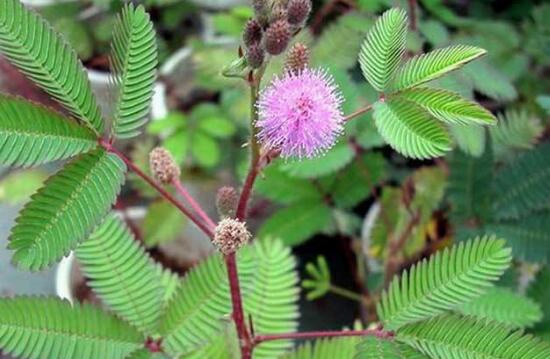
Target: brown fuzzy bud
column 163, row 166
column 277, row 37
column 298, row 11
column 230, row 235
column 252, row 32
column 255, row 55
column 297, row 58
column 279, row 12
column 261, row 11
column 226, row 201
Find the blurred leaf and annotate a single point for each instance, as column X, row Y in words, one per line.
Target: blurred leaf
column 469, row 189
column 140, row 156
column 163, row 223
column 544, row 102
column 539, row 290
column 205, row 150
column 356, row 182
column 435, row 32
column 516, row 130
column 168, row 124
column 317, row 283
column 77, row 35
column 336, row 158
column 278, row 186
column 217, row 127
column 489, row 81
column 297, row 223
column 19, row 185
column 470, row 139
column 177, row 144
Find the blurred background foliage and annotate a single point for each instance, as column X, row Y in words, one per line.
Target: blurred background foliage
column 367, row 211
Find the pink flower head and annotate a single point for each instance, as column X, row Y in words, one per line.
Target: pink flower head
column 300, row 113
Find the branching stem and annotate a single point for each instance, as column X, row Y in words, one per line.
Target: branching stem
column 180, row 188
column 358, row 113
column 167, row 195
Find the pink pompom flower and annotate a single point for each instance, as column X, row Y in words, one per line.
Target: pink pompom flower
column 300, row 113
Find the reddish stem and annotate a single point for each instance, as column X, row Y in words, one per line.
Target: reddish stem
column 180, row 188
column 238, row 310
column 357, row 113
column 109, row 147
column 247, row 189
column 323, row 334
column 412, row 14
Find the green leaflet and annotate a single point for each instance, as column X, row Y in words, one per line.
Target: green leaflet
column 122, row 274
column 489, row 81
column 539, row 291
column 443, row 282
column 470, row 191
column 456, row 337
column 372, row 347
column 65, row 211
column 297, row 223
column 410, row 130
column 522, row 185
column 49, row 328
column 335, row 159
column 30, row 44
column 196, row 316
column 504, row 306
column 448, row 106
column 430, row 66
column 516, row 130
column 31, row 134
column 383, row 48
column 529, row 236
column 325, row 349
column 469, row 139
column 134, row 61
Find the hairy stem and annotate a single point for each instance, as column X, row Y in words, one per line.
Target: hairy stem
column 205, row 228
column 180, row 188
column 358, row 113
column 380, row 333
column 245, row 341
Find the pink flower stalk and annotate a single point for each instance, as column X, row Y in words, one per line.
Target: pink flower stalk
column 300, row 113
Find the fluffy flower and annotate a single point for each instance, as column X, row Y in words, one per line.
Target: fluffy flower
column 300, row 113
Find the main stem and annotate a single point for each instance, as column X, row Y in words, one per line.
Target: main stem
column 245, row 341
column 204, row 227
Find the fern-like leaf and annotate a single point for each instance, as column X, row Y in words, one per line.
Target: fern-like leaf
column 325, row 349
column 448, row 106
column 516, row 130
column 504, row 306
column 134, row 61
column 529, row 237
column 145, row 354
column 30, row 44
column 427, row 67
column 193, row 320
column 455, row 337
column 49, row 328
column 447, row 280
column 377, row 348
column 469, row 139
column 383, row 48
column 469, row 189
column 410, row 130
column 31, row 134
column 539, row 291
column 122, row 274
column 522, row 185
column 65, row 211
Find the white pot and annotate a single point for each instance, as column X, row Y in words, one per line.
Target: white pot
column 102, row 86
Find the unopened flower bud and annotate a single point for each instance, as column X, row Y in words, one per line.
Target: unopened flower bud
column 252, row 32
column 298, row 58
column 261, row 11
column 255, row 55
column 230, row 235
column 277, row 37
column 226, row 201
column 163, row 166
column 279, row 12
column 298, row 11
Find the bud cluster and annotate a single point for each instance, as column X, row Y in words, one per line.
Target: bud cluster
column 230, row 235
column 163, row 166
column 275, row 22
